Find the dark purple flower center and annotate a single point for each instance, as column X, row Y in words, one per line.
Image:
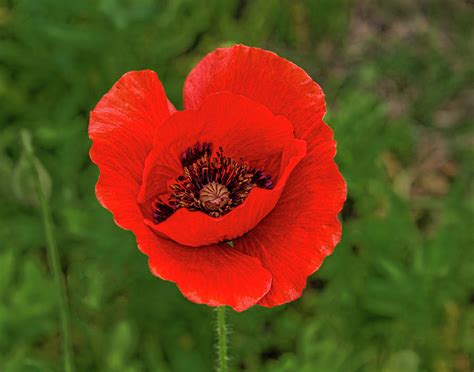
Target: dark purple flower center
column 212, row 184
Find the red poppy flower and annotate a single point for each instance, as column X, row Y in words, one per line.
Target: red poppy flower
column 235, row 199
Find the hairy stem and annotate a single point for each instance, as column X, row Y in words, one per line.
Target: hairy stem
column 53, row 255
column 222, row 334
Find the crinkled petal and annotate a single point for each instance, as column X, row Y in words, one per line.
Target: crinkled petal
column 293, row 240
column 214, row 275
column 264, row 77
column 303, row 228
column 121, row 127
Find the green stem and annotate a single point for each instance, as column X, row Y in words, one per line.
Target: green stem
column 222, row 334
column 58, row 279
column 52, row 255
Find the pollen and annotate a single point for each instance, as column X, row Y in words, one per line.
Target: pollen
column 211, row 183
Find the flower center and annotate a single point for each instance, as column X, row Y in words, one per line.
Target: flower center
column 211, row 184
column 214, row 196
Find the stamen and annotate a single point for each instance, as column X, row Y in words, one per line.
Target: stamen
column 161, row 210
column 192, row 154
column 214, row 185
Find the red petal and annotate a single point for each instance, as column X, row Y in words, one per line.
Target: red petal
column 244, row 129
column 293, row 240
column 121, row 127
column 213, row 275
column 295, row 237
column 262, row 76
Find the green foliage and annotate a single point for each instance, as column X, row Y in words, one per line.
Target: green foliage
column 397, row 293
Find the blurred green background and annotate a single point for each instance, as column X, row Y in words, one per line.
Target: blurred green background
column 398, row 292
